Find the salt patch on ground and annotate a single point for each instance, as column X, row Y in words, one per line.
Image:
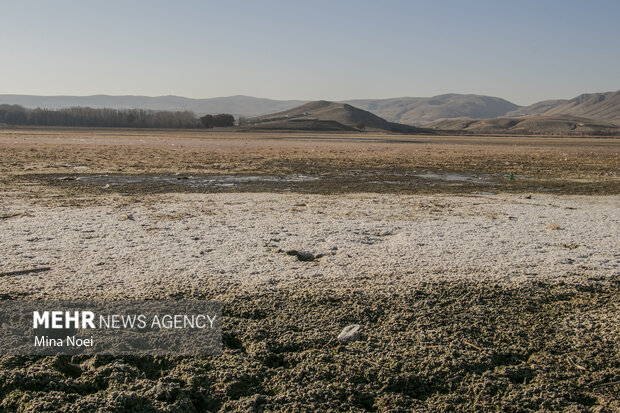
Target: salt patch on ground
column 233, row 239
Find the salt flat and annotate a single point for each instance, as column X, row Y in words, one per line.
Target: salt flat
column 192, row 242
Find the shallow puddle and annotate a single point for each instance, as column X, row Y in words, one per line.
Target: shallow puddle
column 187, row 180
column 455, row 177
column 349, row 139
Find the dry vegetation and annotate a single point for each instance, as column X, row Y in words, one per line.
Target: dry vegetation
column 375, row 163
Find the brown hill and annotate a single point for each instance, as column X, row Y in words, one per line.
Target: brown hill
column 303, row 125
column 529, row 125
column 323, row 115
column 604, row 107
column 418, row 110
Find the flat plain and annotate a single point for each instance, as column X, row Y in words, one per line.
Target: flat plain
column 484, row 271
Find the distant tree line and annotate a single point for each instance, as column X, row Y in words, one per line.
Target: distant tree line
column 122, row 118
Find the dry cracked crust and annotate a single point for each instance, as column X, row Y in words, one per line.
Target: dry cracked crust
column 426, row 346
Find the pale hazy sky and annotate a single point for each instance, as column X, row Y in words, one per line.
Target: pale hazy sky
column 523, row 51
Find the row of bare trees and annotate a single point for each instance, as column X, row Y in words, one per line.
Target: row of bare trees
column 124, row 118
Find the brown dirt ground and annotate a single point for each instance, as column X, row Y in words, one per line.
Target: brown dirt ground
column 346, row 163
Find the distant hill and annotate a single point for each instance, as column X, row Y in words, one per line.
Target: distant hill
column 235, row 105
column 322, row 113
column 599, row 106
column 418, row 111
column 408, row 110
column 529, row 125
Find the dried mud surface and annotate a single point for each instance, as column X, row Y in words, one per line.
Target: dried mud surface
column 468, row 302
column 343, row 163
column 430, row 346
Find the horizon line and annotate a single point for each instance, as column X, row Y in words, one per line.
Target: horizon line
column 298, row 100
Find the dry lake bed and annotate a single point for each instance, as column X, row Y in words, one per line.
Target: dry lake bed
column 473, row 290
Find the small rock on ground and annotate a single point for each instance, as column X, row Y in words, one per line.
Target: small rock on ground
column 350, row 333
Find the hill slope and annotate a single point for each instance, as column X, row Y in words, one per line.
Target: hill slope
column 417, row 111
column 529, row 125
column 322, row 111
column 603, row 107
